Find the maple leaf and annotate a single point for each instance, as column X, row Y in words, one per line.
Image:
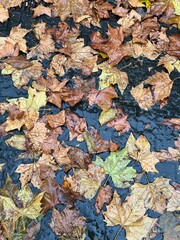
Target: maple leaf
column 155, row 194
column 103, row 98
column 4, row 15
column 161, row 86
column 169, row 224
column 175, row 122
column 10, row 4
column 140, row 150
column 14, row 212
column 94, row 142
column 170, row 63
column 104, row 196
column 87, row 182
column 21, row 77
column 31, row 172
column 130, row 216
column 116, row 166
column 120, row 122
column 40, row 10
column 68, row 224
column 107, row 115
column 17, row 141
column 8, row 47
column 171, row 154
column 112, row 75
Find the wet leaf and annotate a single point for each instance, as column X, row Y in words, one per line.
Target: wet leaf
column 4, row 15
column 104, row 196
column 107, row 116
column 111, row 76
column 116, row 166
column 140, row 150
column 175, row 122
column 68, row 224
column 130, row 216
column 17, row 141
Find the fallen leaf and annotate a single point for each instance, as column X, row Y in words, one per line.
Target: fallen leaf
column 155, row 194
column 130, row 216
column 174, row 201
column 4, row 15
column 87, row 182
column 174, row 45
column 94, row 142
column 8, row 47
column 18, row 62
column 75, row 124
column 169, row 224
column 107, row 115
column 11, row 4
column 112, row 75
column 68, row 224
column 140, row 150
column 116, row 166
column 103, row 98
column 31, row 172
column 104, row 196
column 17, row 141
column 40, row 10
column 175, row 122
column 171, row 154
column 56, row 120
column 170, row 63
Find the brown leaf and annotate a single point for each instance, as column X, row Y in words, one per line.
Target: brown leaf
column 175, row 122
column 56, row 120
column 103, row 98
column 75, row 124
column 18, row 62
column 68, row 223
column 120, row 122
column 8, row 47
column 113, row 146
column 104, row 196
column 40, row 10
column 4, row 15
column 94, row 142
column 171, row 155
column 174, row 45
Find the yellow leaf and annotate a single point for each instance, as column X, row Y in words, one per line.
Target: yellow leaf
column 35, row 99
column 176, row 4
column 154, row 194
column 111, row 75
column 130, row 216
column 4, row 15
column 140, row 150
column 87, row 182
column 17, row 141
column 107, row 115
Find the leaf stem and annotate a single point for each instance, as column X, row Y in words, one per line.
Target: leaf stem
column 106, row 180
column 117, row 233
column 125, row 66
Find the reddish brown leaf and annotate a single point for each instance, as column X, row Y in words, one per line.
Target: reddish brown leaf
column 56, row 120
column 18, row 62
column 174, row 45
column 104, row 196
column 175, row 122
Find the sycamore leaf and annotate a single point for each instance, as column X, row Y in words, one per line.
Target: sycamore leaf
column 17, row 141
column 4, row 15
column 116, row 166
column 155, row 194
column 130, row 216
column 94, row 142
column 104, row 196
column 112, row 75
column 107, row 115
column 68, row 224
column 140, row 150
column 87, row 182
column 32, row 171
column 17, row 206
column 35, row 99
column 169, row 224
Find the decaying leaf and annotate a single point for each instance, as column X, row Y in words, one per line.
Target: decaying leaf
column 171, row 154
column 4, row 15
column 94, row 142
column 140, row 150
column 104, row 196
column 130, row 216
column 160, row 90
column 32, row 171
column 17, row 141
column 68, row 224
column 87, row 182
column 116, row 166
column 175, row 122
column 112, row 75
column 155, row 194
column 107, row 115
column 23, row 205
